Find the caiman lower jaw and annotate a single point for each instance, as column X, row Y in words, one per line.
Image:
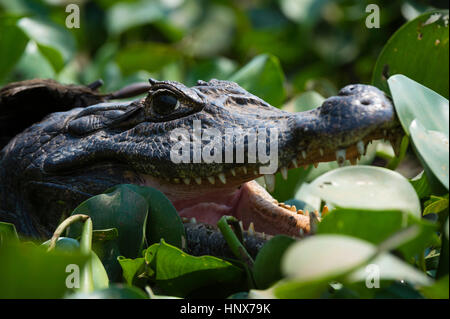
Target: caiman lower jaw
column 249, row 202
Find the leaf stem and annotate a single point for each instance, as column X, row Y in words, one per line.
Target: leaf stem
column 60, row 229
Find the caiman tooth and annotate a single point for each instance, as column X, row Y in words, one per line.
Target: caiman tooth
column 193, row 220
column 212, row 180
column 294, row 162
column 241, row 225
column 316, row 165
column 187, row 181
column 251, row 229
column 233, row 172
column 305, row 167
column 284, row 172
column 300, row 212
column 361, row 148
column 340, row 157
column 222, row 178
column 270, row 182
column 244, row 169
column 353, row 160
column 396, row 143
column 321, row 151
column 198, row 180
column 304, row 154
column 293, row 209
column 325, row 211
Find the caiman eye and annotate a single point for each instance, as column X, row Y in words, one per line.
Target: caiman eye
column 164, row 103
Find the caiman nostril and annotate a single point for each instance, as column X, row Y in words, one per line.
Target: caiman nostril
column 366, row 102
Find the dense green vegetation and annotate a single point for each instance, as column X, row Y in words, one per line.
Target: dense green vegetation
column 389, row 230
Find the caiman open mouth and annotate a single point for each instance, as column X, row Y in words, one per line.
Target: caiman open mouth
column 235, row 193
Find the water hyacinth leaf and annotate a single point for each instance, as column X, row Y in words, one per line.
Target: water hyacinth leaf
column 327, row 257
column 439, row 290
column 375, row 226
column 419, row 50
column 99, row 274
column 120, row 208
column 436, row 204
column 180, row 274
column 433, row 148
column 414, row 101
column 421, row 185
column 163, row 220
column 367, row 187
column 263, row 77
column 55, row 42
column 267, row 266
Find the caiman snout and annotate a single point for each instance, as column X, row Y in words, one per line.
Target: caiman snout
column 343, row 125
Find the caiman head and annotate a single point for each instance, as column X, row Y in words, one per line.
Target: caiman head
column 201, row 146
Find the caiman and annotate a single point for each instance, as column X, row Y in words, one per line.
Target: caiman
column 75, row 153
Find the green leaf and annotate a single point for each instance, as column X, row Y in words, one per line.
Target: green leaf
column 367, row 187
column 436, row 204
column 55, row 42
column 327, row 257
column 180, row 274
column 413, row 101
column 216, row 68
column 267, row 266
column 421, row 185
column 262, row 77
column 163, row 220
column 121, row 208
column 419, row 50
column 8, row 233
column 433, row 149
column 377, row 226
column 33, row 64
column 131, row 268
column 12, row 45
column 439, row 290
column 28, row 271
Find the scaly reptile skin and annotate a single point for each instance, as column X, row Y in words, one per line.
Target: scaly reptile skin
column 51, row 167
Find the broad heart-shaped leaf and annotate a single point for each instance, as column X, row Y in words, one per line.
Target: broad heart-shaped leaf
column 33, row 64
column 367, row 187
column 122, row 208
column 433, row 149
column 376, row 226
column 54, row 41
column 328, row 257
column 163, row 220
column 28, row 271
column 263, row 77
column 415, row 101
column 419, row 50
column 267, row 266
column 180, row 274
